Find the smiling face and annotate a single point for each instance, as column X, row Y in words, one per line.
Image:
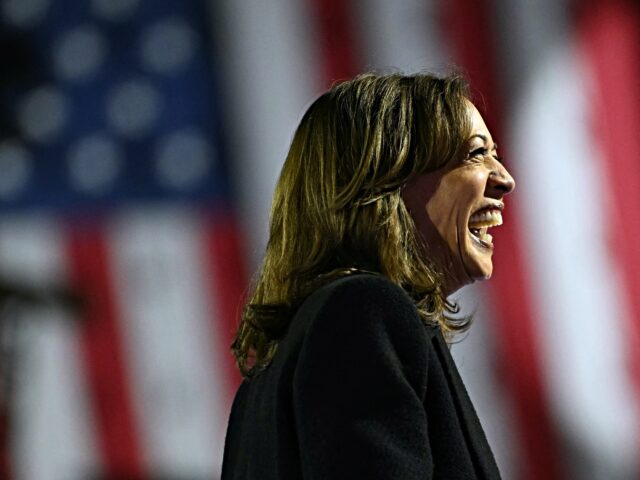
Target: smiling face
column 454, row 206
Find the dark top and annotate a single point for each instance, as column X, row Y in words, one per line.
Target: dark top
column 359, row 389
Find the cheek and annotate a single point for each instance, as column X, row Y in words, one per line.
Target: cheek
column 444, row 216
column 440, row 205
column 470, row 185
column 417, row 197
column 453, row 200
column 439, row 211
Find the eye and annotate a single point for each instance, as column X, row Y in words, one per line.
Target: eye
column 482, row 152
column 477, row 152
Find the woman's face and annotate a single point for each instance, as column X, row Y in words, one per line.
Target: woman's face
column 455, row 206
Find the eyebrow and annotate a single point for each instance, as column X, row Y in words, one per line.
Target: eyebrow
column 486, row 140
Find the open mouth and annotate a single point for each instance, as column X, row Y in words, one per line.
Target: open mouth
column 481, row 221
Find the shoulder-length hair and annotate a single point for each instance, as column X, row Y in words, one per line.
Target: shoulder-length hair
column 338, row 208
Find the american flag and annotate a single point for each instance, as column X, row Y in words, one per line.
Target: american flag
column 164, row 118
column 113, row 183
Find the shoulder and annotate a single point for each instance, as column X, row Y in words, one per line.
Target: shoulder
column 362, row 311
column 359, row 331
column 363, row 291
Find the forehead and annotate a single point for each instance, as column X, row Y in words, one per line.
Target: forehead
column 477, row 122
column 478, row 126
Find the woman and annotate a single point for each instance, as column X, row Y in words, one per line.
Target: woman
column 380, row 212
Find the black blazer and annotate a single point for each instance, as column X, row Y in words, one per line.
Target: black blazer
column 359, row 389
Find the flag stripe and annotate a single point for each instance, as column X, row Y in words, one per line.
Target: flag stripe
column 223, row 249
column 466, row 24
column 51, row 436
column 468, row 27
column 104, row 361
column 271, row 75
column 403, row 35
column 573, row 296
column 54, row 409
column 338, row 51
column 610, row 40
column 177, row 391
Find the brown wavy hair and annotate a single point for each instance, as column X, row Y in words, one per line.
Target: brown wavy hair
column 337, row 206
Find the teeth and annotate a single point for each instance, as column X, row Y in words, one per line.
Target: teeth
column 484, row 236
column 480, row 222
column 481, row 234
column 486, row 218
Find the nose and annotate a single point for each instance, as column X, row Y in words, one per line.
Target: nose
column 501, row 182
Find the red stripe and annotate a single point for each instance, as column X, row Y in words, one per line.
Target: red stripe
column 610, row 40
column 339, row 53
column 519, row 359
column 104, row 359
column 227, row 276
column 468, row 26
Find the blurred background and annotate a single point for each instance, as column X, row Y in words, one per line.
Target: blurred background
column 140, row 141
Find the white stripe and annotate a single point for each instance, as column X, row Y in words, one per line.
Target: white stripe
column 52, row 437
column 178, row 391
column 401, row 35
column 564, row 207
column 269, row 77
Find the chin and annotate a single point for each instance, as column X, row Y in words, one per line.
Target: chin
column 481, row 271
column 477, row 260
